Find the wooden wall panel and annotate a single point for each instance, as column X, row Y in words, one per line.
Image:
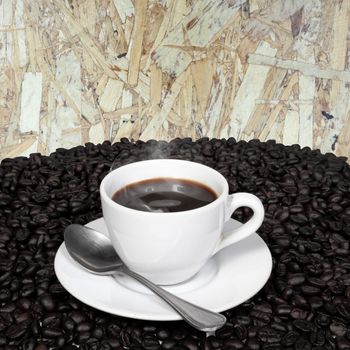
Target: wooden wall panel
column 91, row 70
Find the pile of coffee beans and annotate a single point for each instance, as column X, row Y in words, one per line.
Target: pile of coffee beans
column 305, row 304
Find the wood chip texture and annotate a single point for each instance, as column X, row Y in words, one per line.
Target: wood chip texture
column 77, row 71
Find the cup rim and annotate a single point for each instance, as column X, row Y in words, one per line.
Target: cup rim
column 208, row 206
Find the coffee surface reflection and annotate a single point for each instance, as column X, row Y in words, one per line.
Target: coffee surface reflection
column 165, row 195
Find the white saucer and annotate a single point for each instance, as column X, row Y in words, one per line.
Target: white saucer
column 229, row 278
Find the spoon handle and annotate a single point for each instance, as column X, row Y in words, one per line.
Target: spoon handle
column 199, row 318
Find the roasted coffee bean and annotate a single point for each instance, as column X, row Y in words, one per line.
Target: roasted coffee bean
column 302, row 344
column 77, row 316
column 269, row 335
column 315, row 302
column 337, row 328
column 51, row 332
column 252, row 331
column 114, row 330
column 235, row 343
column 56, row 289
column 84, row 326
column 300, row 301
column 296, row 208
column 266, row 308
column 300, row 218
column 68, row 324
column 215, row 342
column 22, row 317
column 303, row 326
column 240, row 331
column 98, row 332
column 9, row 307
column 22, row 235
column 31, row 270
column 168, row 344
column 23, row 196
column 163, row 333
column 150, row 344
column 336, row 287
column 105, row 346
column 327, row 275
column 317, row 338
column 179, row 334
column 342, row 343
column 344, row 309
column 322, row 319
column 136, row 336
column 48, row 302
column 5, row 294
column 60, row 341
column 83, row 337
column 310, row 290
column 27, row 290
column 179, row 347
column 3, row 340
column 261, row 316
column 281, row 269
column 287, row 293
column 40, row 197
column 296, row 279
column 283, row 309
column 253, row 344
column 243, row 320
column 41, row 347
column 29, row 344
column 298, row 314
column 225, row 332
column 16, row 330
column 317, row 282
column 277, row 325
column 5, row 199
column 41, row 219
column 4, row 324
column 125, row 338
column 190, row 344
column 345, row 279
column 293, row 266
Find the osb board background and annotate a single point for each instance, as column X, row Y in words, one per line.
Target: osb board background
column 88, row 70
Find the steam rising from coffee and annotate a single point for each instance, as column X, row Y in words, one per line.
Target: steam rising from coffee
column 130, row 194
column 164, row 194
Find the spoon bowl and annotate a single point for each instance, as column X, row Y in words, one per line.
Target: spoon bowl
column 91, row 249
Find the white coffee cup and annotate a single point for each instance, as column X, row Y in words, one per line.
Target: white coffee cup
column 169, row 248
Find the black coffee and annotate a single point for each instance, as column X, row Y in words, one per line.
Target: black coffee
column 164, row 195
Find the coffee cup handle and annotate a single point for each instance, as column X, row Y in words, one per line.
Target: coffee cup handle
column 234, row 201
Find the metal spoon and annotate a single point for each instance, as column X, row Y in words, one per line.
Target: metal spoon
column 94, row 252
